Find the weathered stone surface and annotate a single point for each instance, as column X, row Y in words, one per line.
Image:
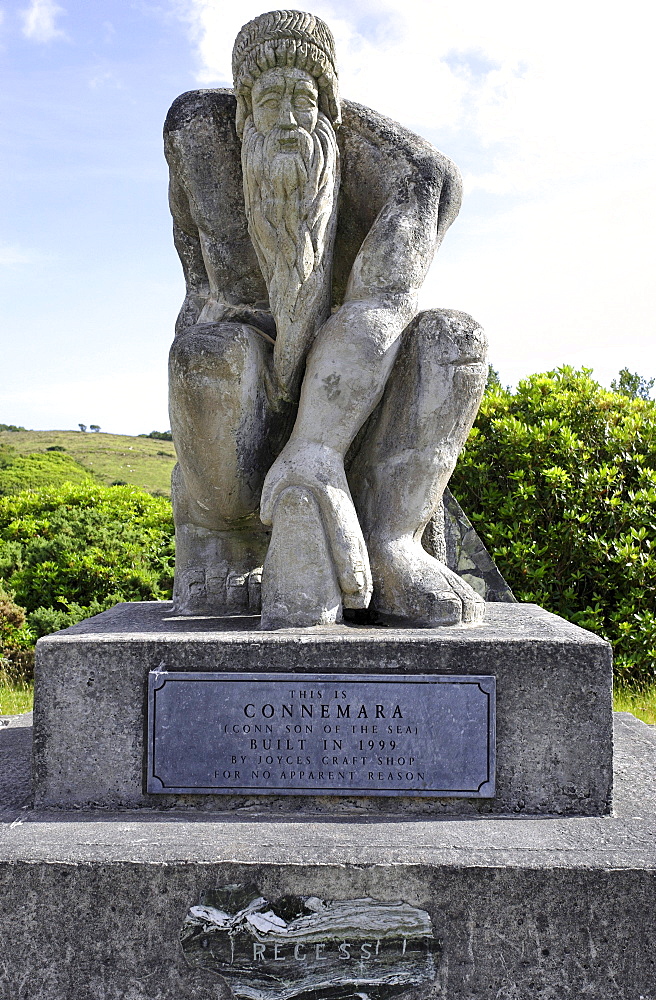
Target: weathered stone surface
column 286, row 601
column 15, row 749
column 465, row 553
column 305, row 227
column 306, row 946
column 554, row 747
column 91, row 904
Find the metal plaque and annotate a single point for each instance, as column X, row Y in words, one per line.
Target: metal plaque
column 318, row 734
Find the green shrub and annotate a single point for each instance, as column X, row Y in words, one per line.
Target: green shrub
column 559, row 479
column 22, row 472
column 70, row 552
column 632, row 385
column 16, row 640
column 14, row 631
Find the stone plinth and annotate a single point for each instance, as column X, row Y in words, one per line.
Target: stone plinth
column 92, row 903
column 554, row 728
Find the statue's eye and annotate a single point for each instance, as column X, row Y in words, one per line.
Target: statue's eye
column 270, row 102
column 303, row 103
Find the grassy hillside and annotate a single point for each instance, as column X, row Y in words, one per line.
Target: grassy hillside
column 38, row 470
column 109, row 458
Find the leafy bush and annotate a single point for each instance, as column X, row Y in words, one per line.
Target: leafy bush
column 21, row 472
column 72, row 551
column 632, row 385
column 14, row 631
column 16, row 640
column 559, row 479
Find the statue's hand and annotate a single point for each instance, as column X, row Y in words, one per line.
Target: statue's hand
column 321, row 470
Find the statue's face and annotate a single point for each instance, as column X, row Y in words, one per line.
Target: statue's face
column 285, row 99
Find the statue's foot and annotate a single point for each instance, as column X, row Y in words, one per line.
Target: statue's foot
column 300, row 583
column 218, row 572
column 413, row 589
column 218, row 591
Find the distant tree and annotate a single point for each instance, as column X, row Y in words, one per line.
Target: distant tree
column 632, row 385
column 82, row 427
column 10, row 427
column 158, row 435
column 493, row 379
column 94, row 427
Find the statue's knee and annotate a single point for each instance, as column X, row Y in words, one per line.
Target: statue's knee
column 211, row 350
column 203, row 500
column 456, row 336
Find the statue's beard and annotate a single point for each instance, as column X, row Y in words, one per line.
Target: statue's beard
column 291, row 207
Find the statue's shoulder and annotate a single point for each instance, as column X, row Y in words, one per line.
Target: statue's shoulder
column 388, row 171
column 368, row 135
column 217, row 105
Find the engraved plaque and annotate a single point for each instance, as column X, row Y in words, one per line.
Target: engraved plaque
column 295, row 945
column 312, row 734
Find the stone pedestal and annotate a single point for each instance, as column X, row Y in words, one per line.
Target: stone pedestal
column 92, row 903
column 553, row 707
column 107, row 891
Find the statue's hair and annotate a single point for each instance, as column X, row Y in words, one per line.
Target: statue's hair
column 285, row 38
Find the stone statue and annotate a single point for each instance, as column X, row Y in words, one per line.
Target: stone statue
column 317, row 417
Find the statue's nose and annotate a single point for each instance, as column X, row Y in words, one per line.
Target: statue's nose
column 287, row 119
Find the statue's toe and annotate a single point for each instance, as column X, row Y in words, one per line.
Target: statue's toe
column 473, row 605
column 413, row 590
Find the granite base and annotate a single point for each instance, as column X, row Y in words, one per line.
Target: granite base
column 92, row 903
column 554, row 705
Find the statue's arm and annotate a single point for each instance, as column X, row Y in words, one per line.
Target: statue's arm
column 187, row 243
column 417, row 192
column 222, row 276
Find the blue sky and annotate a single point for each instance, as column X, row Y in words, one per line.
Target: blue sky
column 547, row 111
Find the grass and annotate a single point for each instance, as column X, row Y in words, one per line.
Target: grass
column 639, row 703
column 110, row 458
column 16, row 697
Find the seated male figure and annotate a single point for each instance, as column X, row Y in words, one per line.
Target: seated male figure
column 301, row 371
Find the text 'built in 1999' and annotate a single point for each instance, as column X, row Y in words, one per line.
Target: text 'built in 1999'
column 310, row 734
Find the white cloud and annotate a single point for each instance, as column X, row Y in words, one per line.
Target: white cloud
column 105, row 78
column 39, row 21
column 561, row 280
column 548, row 92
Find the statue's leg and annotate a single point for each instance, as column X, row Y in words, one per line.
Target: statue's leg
column 404, row 459
column 226, row 437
